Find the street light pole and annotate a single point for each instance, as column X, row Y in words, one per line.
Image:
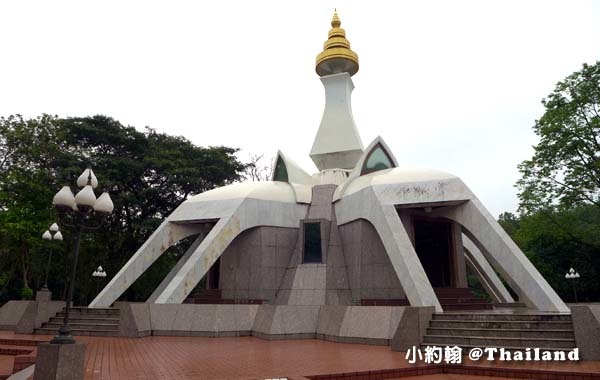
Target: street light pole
column 53, row 233
column 83, row 212
column 572, row 275
column 99, row 273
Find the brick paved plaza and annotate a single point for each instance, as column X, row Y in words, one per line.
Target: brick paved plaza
column 161, row 357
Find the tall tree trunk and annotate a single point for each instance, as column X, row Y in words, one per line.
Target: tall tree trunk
column 25, row 267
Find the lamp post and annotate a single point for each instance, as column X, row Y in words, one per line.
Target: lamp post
column 53, row 233
column 99, row 273
column 572, row 275
column 82, row 212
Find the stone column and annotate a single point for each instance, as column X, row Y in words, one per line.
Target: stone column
column 59, row 362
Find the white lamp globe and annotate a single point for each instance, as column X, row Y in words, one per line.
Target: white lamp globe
column 54, row 227
column 86, row 197
column 104, row 204
column 47, row 235
column 85, row 176
column 64, row 198
column 57, row 236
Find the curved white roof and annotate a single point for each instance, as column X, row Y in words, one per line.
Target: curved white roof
column 265, row 190
column 399, row 175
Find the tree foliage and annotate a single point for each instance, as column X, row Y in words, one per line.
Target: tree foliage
column 553, row 249
column 148, row 174
column 559, row 191
column 565, row 169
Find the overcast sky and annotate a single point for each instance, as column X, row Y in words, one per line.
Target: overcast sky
column 449, row 85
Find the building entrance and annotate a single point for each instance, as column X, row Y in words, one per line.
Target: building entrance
column 433, row 243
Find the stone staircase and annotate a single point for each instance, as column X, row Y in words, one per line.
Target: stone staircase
column 460, row 299
column 511, row 331
column 85, row 321
column 23, row 352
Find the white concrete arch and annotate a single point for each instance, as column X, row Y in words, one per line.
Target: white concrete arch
column 166, row 235
column 504, row 255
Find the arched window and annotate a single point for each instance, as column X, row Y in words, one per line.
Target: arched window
column 281, row 173
column 378, row 159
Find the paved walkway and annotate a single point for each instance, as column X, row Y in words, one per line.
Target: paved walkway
column 228, row 358
column 252, row 358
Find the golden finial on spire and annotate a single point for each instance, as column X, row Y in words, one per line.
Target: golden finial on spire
column 336, row 57
column 335, row 22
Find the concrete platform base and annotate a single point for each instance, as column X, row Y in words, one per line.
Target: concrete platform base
column 44, row 295
column 60, row 362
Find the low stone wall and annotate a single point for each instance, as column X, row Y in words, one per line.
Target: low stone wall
column 286, row 321
column 142, row 319
column 348, row 324
column 412, row 327
column 25, row 316
column 586, row 323
column 11, row 313
column 359, row 324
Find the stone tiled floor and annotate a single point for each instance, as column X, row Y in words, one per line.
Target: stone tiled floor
column 6, row 364
column 253, row 358
column 228, row 358
column 450, row 376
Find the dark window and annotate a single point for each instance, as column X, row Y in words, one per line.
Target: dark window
column 280, row 171
column 312, row 243
column 378, row 159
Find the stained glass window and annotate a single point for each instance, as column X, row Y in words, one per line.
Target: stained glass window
column 377, row 160
column 280, row 171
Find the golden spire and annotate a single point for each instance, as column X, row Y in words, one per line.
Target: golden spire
column 337, row 57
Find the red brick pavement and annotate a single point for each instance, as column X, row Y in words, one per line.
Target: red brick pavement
column 252, row 358
column 228, row 358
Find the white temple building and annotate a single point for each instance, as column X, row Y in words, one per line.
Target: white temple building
column 364, row 231
column 365, row 251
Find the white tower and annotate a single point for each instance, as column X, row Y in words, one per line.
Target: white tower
column 337, row 144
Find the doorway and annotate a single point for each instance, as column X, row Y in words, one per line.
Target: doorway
column 213, row 275
column 433, row 243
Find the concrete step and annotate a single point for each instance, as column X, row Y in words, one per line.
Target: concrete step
column 77, row 332
column 499, row 324
column 502, row 317
column 21, row 341
column 85, row 319
column 467, row 306
column 13, row 350
column 510, row 333
column 451, row 290
column 94, row 311
column 445, row 300
column 87, row 315
column 85, row 326
column 478, row 341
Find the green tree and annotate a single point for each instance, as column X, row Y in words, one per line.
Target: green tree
column 553, row 249
column 148, row 174
column 565, row 169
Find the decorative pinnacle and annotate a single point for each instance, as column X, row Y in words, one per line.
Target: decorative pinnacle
column 335, row 21
column 336, row 57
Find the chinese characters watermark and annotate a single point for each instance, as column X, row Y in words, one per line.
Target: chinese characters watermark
column 453, row 355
